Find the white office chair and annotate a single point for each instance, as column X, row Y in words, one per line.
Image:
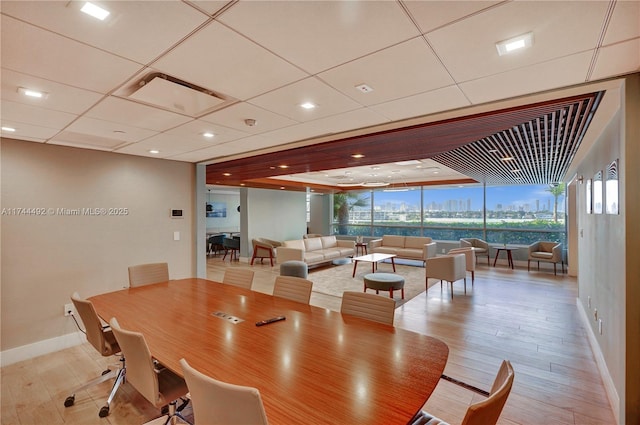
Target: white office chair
column 293, row 288
column 102, row 339
column 146, row 274
column 219, row 403
column 368, row 306
column 158, row 385
column 242, row 278
column 485, row 412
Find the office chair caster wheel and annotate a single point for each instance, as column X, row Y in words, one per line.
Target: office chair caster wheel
column 69, row 401
column 104, row 412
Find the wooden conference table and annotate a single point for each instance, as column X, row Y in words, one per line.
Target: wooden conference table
column 315, row 367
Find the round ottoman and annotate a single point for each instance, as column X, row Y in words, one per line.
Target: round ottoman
column 384, row 282
column 294, row 268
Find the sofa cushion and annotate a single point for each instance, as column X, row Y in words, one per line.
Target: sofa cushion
column 297, row 244
column 313, row 244
column 329, row 242
column 387, row 250
column 331, row 253
column 542, row 255
column 311, row 257
column 392, row 240
column 409, row 253
column 416, row 242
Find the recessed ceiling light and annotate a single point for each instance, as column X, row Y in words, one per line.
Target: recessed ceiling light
column 492, row 150
column 375, row 184
column 375, row 167
column 516, row 43
column 95, row 11
column 9, row 129
column 208, row 134
column 410, row 162
column 308, row 105
column 517, row 170
column 357, row 155
column 283, row 166
column 226, row 174
column 32, row 93
column 507, row 158
column 154, row 151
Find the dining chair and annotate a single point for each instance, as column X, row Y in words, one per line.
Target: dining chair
column 160, row 386
column 485, row 412
column 446, row 267
column 102, row 339
column 238, row 277
column 293, row 288
column 215, row 243
column 470, row 257
column 368, row 306
column 233, row 245
column 220, row 403
column 146, row 274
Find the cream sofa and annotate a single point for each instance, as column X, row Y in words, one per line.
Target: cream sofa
column 315, row 250
column 410, row 247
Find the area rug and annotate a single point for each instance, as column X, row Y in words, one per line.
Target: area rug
column 334, row 280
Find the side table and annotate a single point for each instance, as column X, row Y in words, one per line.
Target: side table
column 361, row 247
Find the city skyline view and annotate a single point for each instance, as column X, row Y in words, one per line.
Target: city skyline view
column 529, row 198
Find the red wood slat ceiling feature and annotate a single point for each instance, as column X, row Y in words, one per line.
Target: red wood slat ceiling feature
column 542, row 138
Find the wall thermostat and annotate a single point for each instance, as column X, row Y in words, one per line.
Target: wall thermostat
column 176, row 214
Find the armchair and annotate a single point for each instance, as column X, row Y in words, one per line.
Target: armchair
column 264, row 248
column 480, row 247
column 470, row 256
column 551, row 252
column 447, row 267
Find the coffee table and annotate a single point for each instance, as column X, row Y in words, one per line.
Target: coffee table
column 507, row 249
column 374, row 259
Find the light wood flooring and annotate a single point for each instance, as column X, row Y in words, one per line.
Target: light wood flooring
column 529, row 318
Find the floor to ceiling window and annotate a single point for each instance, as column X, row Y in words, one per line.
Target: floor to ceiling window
column 499, row 214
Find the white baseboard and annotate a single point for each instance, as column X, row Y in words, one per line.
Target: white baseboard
column 39, row 348
column 610, row 388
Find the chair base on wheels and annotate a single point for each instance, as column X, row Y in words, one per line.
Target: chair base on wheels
column 119, row 375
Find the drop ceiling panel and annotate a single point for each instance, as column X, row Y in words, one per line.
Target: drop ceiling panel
column 616, row 57
column 430, row 15
column 137, row 115
column 564, row 71
column 557, row 32
column 318, row 35
column 27, row 131
column 168, row 145
column 83, row 140
column 235, row 115
column 625, row 22
column 60, row 59
column 109, row 130
column 60, row 97
column 210, row 6
column 423, row 104
column 287, row 100
column 30, row 114
column 130, row 30
column 221, row 60
column 193, row 131
column 393, row 73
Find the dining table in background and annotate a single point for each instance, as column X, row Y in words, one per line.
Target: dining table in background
column 316, row 366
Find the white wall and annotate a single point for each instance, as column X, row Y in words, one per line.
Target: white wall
column 47, row 257
column 276, row 214
column 608, row 271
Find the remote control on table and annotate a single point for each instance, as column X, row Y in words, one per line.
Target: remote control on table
column 273, row 319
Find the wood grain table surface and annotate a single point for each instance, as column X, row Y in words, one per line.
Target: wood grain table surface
column 315, row 367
